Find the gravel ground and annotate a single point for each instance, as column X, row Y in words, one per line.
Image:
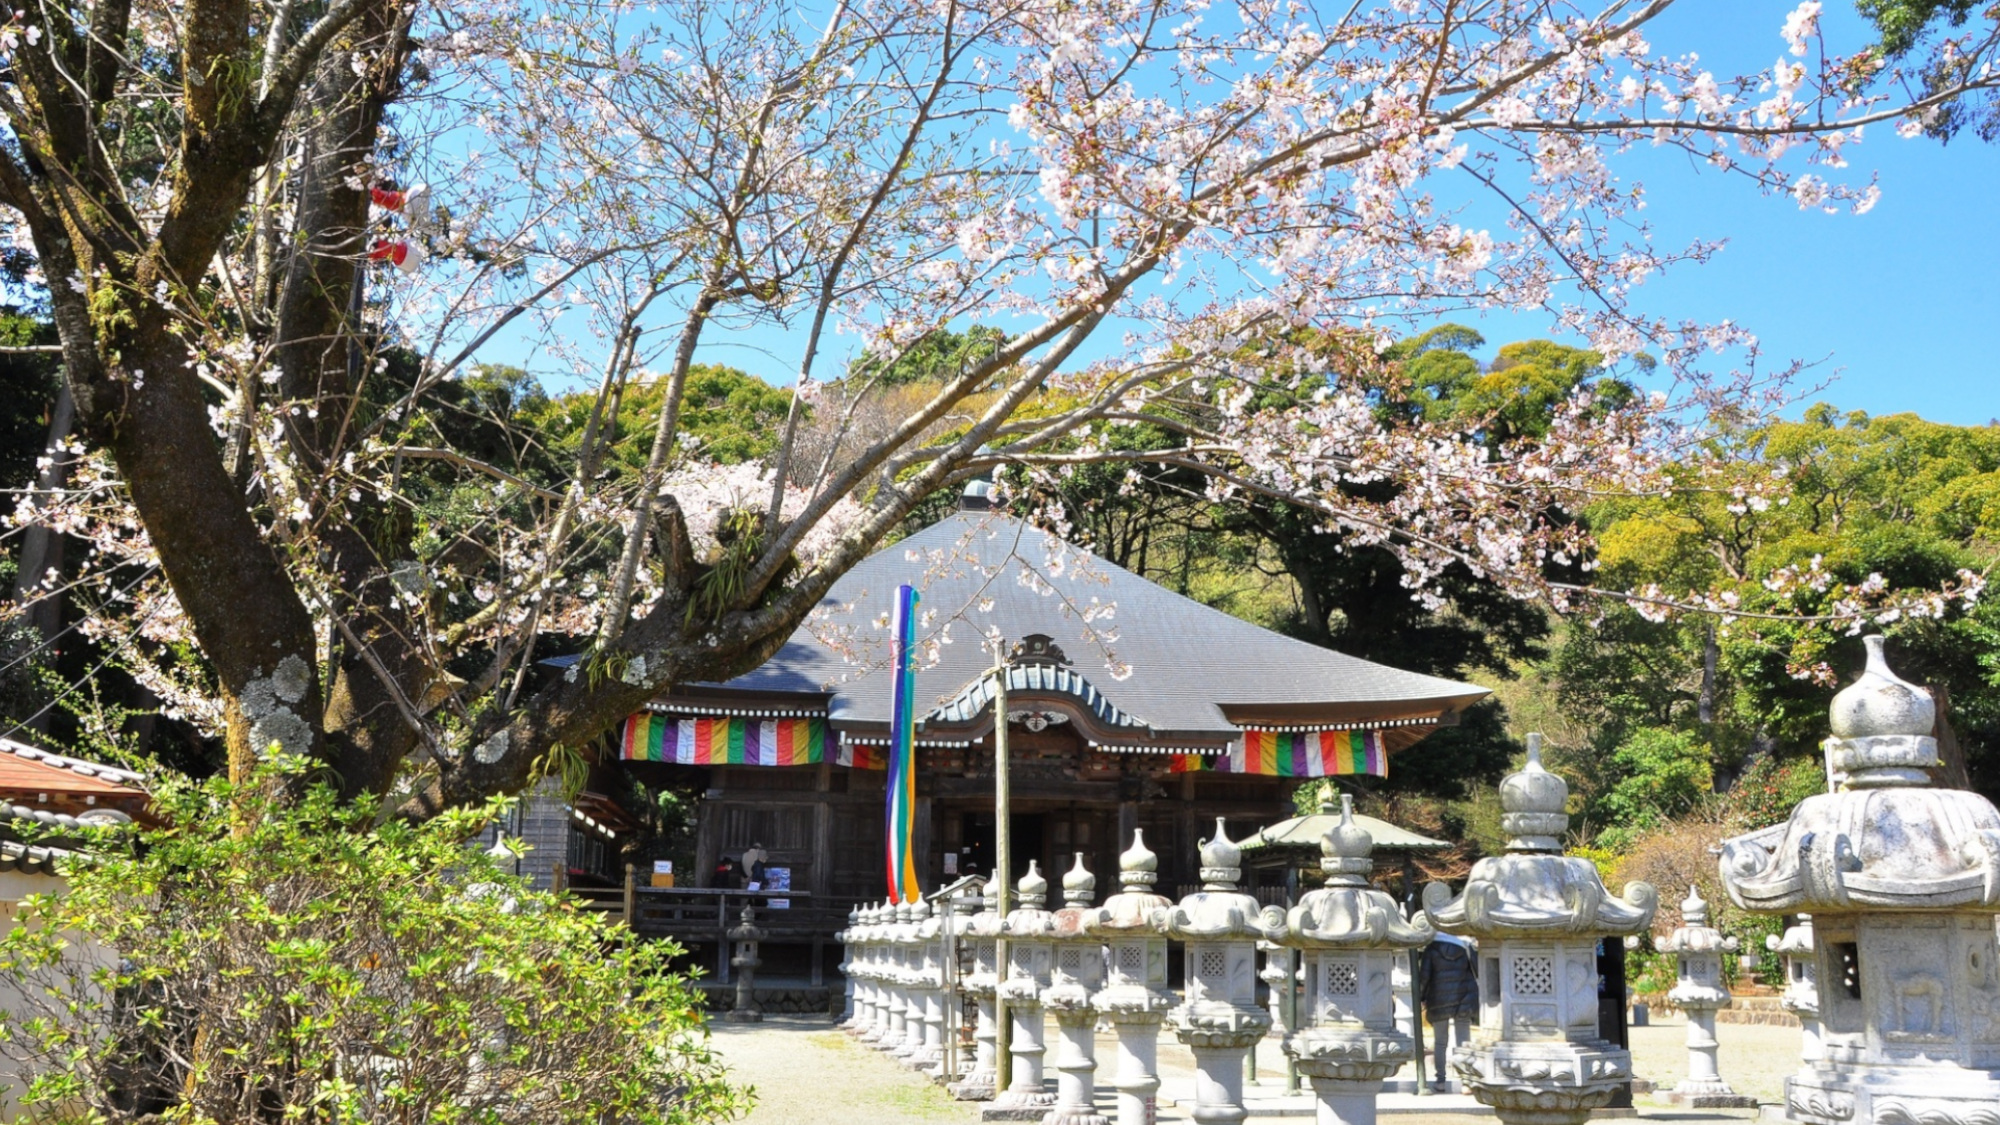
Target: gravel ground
column 806, row 1073
column 1754, row 1059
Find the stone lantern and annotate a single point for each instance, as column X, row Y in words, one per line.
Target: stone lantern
column 1902, row 879
column 1801, row 995
column 1078, row 974
column 745, row 935
column 1220, row 1019
column 1699, row 989
column 1278, row 976
column 927, row 991
column 1030, row 934
column 983, row 932
column 861, row 953
column 1538, row 915
column 966, row 904
column 905, row 1017
column 1351, row 935
column 1135, row 999
column 876, row 950
column 849, row 1010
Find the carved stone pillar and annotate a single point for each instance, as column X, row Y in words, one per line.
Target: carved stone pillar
column 1538, row 916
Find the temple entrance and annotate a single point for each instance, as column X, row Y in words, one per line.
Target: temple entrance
column 975, row 840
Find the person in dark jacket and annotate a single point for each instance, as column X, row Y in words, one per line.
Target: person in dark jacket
column 1449, row 987
column 727, row 876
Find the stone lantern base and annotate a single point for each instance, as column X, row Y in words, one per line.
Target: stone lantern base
column 1707, row 1095
column 1547, row 1083
column 1916, row 1095
column 1724, row 1098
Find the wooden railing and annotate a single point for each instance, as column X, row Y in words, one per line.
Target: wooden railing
column 704, row 915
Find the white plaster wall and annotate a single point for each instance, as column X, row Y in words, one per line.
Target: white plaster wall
column 14, row 887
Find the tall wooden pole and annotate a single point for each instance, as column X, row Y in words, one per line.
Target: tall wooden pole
column 1003, row 863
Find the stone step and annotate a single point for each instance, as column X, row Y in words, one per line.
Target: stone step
column 1765, row 1016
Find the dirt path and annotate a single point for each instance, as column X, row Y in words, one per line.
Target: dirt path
column 807, row 1073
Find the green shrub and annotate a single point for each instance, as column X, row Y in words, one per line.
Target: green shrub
column 271, row 960
column 1769, row 790
column 1662, row 774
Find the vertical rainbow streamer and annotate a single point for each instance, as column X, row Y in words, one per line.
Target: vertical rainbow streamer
column 901, row 819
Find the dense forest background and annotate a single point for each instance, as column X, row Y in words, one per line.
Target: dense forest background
column 1673, row 729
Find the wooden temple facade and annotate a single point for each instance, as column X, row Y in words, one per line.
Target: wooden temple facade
column 1128, row 707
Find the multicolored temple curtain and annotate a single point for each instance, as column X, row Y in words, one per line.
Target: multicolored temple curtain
column 1313, row 753
column 861, row 757
column 688, row 740
column 901, row 820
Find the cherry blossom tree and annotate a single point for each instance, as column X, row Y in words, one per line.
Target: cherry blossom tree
column 1203, row 219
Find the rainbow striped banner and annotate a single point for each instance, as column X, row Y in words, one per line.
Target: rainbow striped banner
column 901, row 820
column 1313, row 753
column 692, row 741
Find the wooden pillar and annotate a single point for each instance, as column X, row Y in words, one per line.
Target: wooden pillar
column 822, row 873
column 1128, row 822
column 707, row 843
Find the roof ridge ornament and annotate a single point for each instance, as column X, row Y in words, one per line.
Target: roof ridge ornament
column 1037, row 648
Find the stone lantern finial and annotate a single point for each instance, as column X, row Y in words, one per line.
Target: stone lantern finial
column 1532, row 803
column 1138, row 868
column 1079, row 886
column 1694, row 908
column 1882, row 728
column 1347, row 850
column 1221, row 861
column 1033, row 889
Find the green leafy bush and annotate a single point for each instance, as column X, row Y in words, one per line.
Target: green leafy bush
column 1769, row 791
column 1662, row 774
column 259, row 959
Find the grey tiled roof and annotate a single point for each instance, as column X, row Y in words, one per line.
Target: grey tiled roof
column 1159, row 659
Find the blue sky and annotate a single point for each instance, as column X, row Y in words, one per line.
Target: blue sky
column 1902, row 303
column 1898, row 307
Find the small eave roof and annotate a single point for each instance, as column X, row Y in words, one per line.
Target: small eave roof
column 1188, row 670
column 25, row 767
